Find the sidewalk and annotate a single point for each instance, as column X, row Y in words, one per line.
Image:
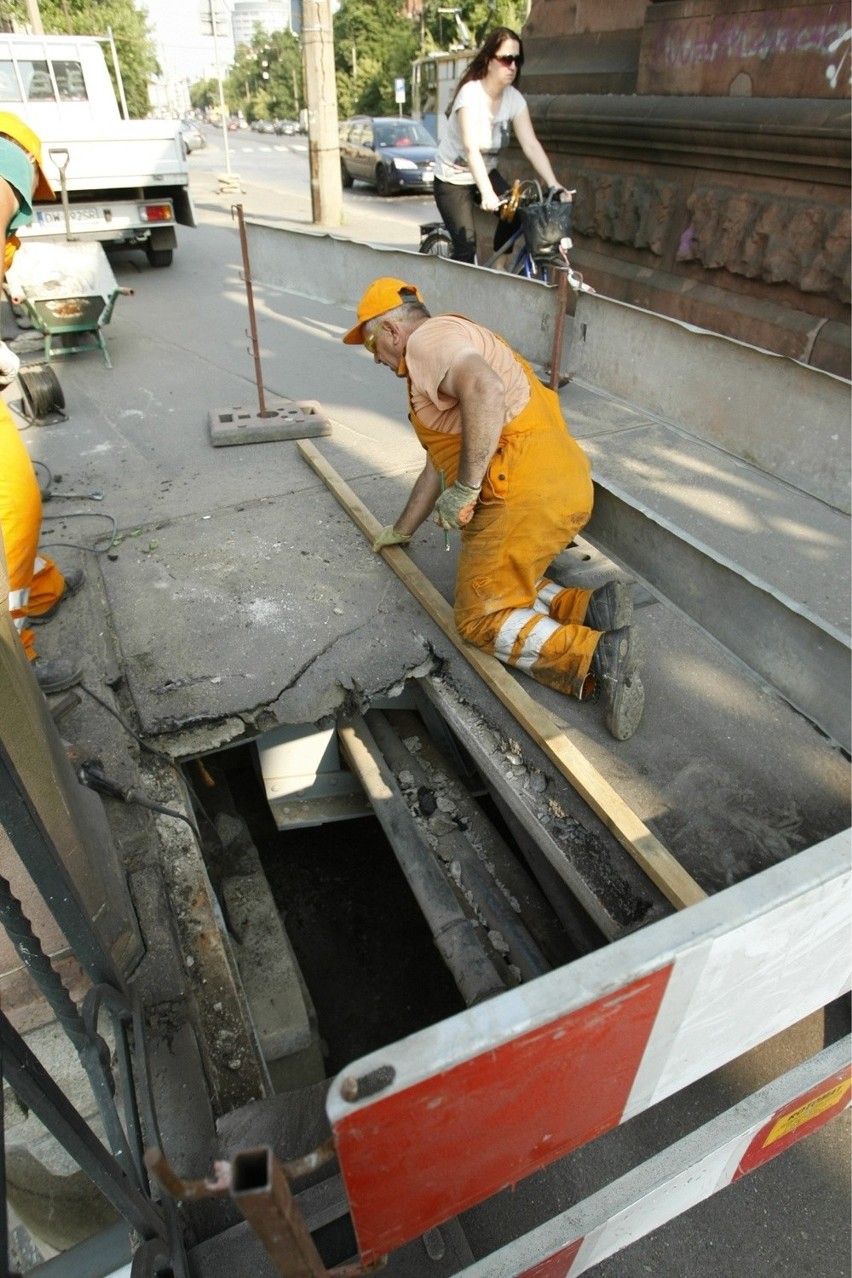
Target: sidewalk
column 236, row 592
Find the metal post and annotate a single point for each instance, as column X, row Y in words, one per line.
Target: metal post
column 255, row 347
column 559, row 329
column 222, row 113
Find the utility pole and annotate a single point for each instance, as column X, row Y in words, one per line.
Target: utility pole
column 321, row 103
column 228, row 182
column 35, row 17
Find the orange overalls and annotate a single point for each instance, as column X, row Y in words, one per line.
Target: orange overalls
column 536, row 496
column 35, row 583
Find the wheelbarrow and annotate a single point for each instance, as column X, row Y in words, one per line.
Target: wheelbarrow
column 64, row 289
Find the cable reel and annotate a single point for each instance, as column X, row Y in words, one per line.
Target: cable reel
column 43, row 400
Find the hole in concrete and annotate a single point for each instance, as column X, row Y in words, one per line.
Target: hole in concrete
column 365, row 954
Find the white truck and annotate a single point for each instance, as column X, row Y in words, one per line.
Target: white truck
column 117, row 180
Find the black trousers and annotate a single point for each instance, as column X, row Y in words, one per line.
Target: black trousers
column 456, row 205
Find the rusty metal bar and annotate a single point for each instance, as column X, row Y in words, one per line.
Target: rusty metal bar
column 259, row 1185
column 259, row 1188
column 255, row 347
column 559, row 329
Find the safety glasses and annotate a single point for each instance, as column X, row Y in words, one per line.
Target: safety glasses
column 509, row 59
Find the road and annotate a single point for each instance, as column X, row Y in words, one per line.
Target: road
column 275, row 176
column 179, row 349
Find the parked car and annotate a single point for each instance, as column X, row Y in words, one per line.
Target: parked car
column 191, row 136
column 288, row 128
column 391, row 153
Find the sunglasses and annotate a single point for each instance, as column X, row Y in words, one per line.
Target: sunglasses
column 509, row 59
column 370, row 343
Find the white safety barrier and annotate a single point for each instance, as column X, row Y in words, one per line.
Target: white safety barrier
column 441, row 1121
column 723, row 1151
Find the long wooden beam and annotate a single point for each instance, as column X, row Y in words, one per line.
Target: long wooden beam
column 657, row 862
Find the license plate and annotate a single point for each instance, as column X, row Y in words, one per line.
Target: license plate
column 51, row 217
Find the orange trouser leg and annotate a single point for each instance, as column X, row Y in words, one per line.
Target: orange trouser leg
column 505, row 549
column 20, row 523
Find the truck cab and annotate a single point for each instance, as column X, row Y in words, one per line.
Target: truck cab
column 123, row 182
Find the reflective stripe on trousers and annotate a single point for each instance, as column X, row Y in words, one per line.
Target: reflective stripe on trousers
column 34, row 580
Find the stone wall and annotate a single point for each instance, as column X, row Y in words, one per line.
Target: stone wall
column 708, row 142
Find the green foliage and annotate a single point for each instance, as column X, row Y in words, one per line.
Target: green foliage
column 133, row 42
column 204, row 95
column 374, row 42
column 266, row 79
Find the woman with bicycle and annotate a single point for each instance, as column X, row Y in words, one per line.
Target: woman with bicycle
column 485, row 105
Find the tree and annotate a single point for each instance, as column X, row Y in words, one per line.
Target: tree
column 266, row 78
column 134, row 45
column 374, row 42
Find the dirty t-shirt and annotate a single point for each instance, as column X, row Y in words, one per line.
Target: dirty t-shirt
column 489, row 132
column 429, row 352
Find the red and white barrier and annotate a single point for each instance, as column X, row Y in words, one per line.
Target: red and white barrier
column 680, row 1177
column 444, row 1119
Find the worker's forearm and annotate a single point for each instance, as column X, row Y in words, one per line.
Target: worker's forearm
column 421, row 499
column 482, row 425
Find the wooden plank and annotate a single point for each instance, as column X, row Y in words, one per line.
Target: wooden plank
column 648, row 852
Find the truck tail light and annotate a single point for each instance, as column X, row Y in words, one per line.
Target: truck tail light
column 155, row 212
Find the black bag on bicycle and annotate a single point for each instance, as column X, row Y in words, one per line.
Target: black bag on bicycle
column 545, row 224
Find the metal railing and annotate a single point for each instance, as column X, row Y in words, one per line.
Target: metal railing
column 122, row 1091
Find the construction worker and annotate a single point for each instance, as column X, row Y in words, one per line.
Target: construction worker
column 502, row 467
column 36, row 585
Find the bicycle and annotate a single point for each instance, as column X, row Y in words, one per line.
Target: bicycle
column 538, row 249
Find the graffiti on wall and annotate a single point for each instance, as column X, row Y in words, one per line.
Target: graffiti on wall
column 725, row 37
column 833, row 70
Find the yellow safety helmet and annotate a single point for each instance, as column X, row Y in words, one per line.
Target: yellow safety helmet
column 12, row 126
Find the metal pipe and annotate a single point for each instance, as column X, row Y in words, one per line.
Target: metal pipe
column 492, row 903
column 454, row 934
column 539, row 916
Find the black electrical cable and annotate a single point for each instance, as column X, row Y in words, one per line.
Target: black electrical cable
column 85, row 514
column 158, row 754
column 92, row 775
column 41, row 392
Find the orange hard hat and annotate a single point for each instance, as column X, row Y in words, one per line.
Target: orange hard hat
column 12, row 126
column 383, row 295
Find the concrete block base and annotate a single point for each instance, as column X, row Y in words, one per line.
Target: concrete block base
column 283, row 420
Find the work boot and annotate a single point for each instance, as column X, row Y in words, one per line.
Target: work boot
column 55, row 674
column 616, row 666
column 610, row 607
column 74, row 580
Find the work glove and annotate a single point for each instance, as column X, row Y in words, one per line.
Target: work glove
column 455, row 507
column 390, row 537
column 9, row 365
